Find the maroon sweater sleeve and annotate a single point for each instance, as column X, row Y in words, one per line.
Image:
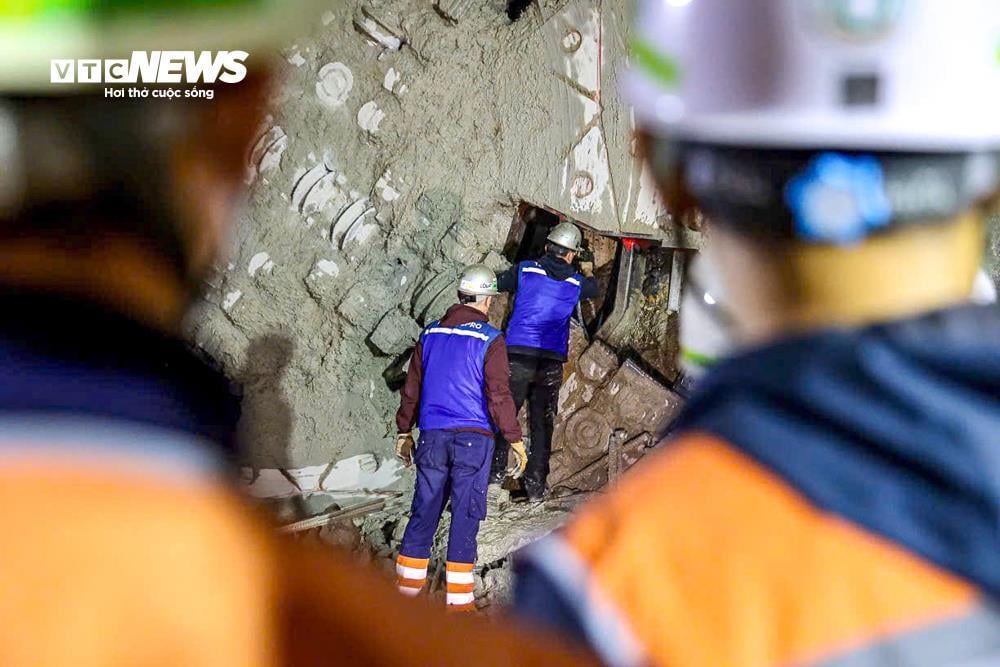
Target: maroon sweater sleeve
column 498, row 397
column 406, row 416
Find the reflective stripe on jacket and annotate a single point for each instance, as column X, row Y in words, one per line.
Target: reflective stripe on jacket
column 453, row 394
column 827, row 499
column 543, row 306
column 702, row 557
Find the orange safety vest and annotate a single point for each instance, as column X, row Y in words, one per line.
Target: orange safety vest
column 702, row 557
column 113, row 562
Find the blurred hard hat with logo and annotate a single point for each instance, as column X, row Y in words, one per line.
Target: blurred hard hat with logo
column 738, row 97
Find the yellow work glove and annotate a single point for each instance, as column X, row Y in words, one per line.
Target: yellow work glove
column 404, row 448
column 521, row 455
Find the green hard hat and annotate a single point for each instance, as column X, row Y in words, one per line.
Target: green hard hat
column 33, row 33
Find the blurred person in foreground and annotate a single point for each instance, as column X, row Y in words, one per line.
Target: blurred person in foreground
column 831, row 495
column 126, row 541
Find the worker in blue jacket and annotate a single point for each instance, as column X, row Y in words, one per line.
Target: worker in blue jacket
column 546, row 292
column 458, row 391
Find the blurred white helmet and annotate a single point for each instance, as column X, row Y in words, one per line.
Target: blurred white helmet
column 984, row 292
column 910, row 75
column 826, row 121
column 706, row 334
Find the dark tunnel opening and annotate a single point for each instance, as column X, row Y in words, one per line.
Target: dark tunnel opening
column 516, row 8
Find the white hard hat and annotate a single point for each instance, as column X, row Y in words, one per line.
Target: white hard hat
column 894, row 75
column 478, row 280
column 705, row 333
column 565, row 235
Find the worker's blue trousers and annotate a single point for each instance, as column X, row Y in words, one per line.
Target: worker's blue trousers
column 453, row 464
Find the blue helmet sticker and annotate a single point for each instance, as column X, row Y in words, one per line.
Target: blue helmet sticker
column 839, row 199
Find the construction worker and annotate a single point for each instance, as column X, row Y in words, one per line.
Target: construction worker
column 459, row 382
column 126, row 539
column 546, row 292
column 831, row 494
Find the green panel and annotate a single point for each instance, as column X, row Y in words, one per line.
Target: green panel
column 698, row 358
column 113, row 9
column 660, row 66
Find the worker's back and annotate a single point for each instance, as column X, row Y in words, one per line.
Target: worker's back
column 543, row 305
column 829, row 500
column 125, row 544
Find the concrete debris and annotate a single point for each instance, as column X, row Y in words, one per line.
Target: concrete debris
column 434, row 296
column 341, row 533
column 334, row 84
column 260, row 262
column 395, row 332
column 370, row 117
column 377, row 31
column 270, row 484
column 364, row 305
column 266, row 153
column 359, row 475
column 453, row 10
column 502, row 533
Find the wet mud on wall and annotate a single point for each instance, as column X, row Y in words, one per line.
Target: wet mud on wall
column 403, row 135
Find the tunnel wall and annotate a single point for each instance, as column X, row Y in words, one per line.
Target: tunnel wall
column 402, row 137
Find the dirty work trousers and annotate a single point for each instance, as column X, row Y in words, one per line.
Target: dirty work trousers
column 536, row 380
column 455, row 465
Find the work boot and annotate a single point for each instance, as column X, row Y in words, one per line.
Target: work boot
column 497, row 498
column 534, row 487
column 535, row 496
